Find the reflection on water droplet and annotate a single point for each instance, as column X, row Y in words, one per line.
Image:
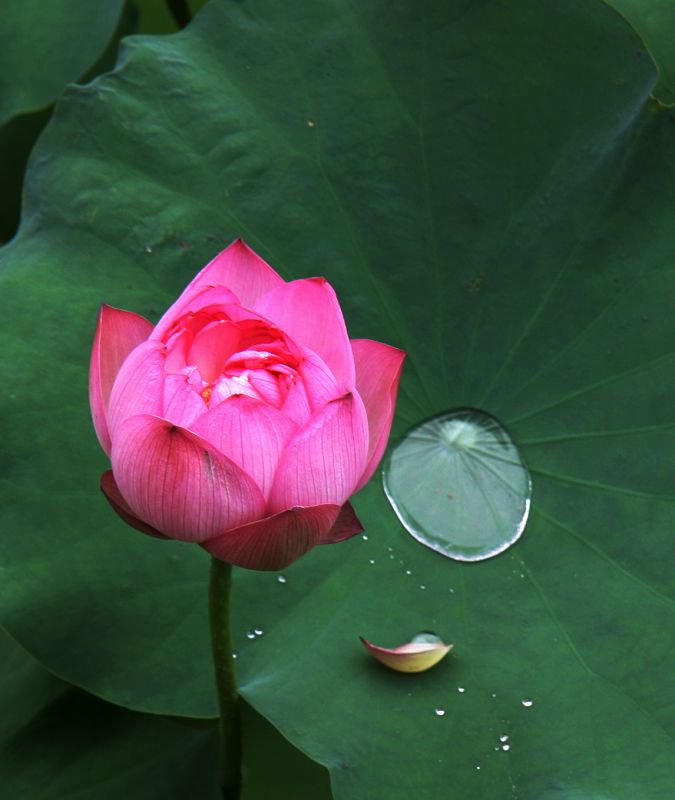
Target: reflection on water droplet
column 408, row 572
column 460, row 689
column 506, row 747
column 527, row 702
column 250, row 635
column 364, row 537
column 440, row 712
column 281, row 578
column 477, row 767
column 503, row 738
column 258, row 631
column 459, row 486
column 234, row 655
column 371, row 560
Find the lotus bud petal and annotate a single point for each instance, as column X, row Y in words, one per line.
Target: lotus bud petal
column 418, row 655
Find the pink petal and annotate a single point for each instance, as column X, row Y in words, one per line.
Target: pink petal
column 182, row 403
column 410, row 657
column 242, row 271
column 251, row 433
column 346, row 525
column 309, row 312
column 117, row 334
column 192, row 300
column 180, row 484
column 313, row 387
column 325, row 458
column 114, row 497
column 211, row 348
column 378, row 371
column 139, row 386
column 274, row 542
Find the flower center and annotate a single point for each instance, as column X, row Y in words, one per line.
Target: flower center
column 220, row 357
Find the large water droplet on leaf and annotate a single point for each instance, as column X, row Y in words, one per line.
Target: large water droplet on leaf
column 459, row 485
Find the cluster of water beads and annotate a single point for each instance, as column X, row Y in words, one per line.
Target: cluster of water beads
column 458, row 485
column 252, row 634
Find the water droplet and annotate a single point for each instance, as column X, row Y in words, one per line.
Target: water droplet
column 422, row 586
column 408, row 572
column 493, row 695
column 364, row 537
column 460, row 689
column 503, row 738
column 506, row 747
column 440, row 712
column 258, row 631
column 391, row 555
column 281, row 578
column 311, row 123
column 477, row 767
column 527, row 702
column 371, row 560
column 391, row 549
column 234, row 655
column 459, row 486
column 148, row 249
column 250, row 635
column 452, row 591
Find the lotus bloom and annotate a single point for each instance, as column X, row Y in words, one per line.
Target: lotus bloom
column 246, row 418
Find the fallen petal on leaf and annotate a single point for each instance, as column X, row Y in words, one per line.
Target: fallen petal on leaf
column 423, row 652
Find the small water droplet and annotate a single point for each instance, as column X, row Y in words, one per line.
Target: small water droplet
column 440, row 712
column 364, row 537
column 234, row 655
column 371, row 560
column 250, row 635
column 477, row 767
column 281, row 578
column 493, row 695
column 422, row 586
column 408, row 572
column 258, row 631
column 438, row 476
column 148, row 249
column 311, row 123
column 391, row 555
column 506, row 747
column 460, row 689
column 452, row 591
column 503, row 738
column 527, row 702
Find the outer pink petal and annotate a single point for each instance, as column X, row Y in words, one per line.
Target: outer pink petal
column 346, row 525
column 240, row 269
column 182, row 404
column 325, row 459
column 251, row 433
column 113, row 495
column 309, row 312
column 180, row 484
column 274, row 542
column 313, row 387
column 139, row 386
column 117, row 334
column 378, row 371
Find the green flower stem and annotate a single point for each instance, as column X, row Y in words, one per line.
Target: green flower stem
column 226, row 683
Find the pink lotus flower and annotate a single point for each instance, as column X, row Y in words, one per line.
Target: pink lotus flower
column 246, row 418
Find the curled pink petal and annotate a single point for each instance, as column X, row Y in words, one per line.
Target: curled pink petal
column 415, row 656
column 346, row 525
column 139, row 385
column 113, row 495
column 251, row 433
column 276, row 541
column 178, row 483
column 192, row 301
column 117, row 334
column 378, row 372
column 242, row 271
column 309, row 312
column 325, row 458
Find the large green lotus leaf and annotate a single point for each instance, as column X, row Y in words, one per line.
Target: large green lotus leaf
column 56, row 742
column 654, row 20
column 44, row 46
column 489, row 186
